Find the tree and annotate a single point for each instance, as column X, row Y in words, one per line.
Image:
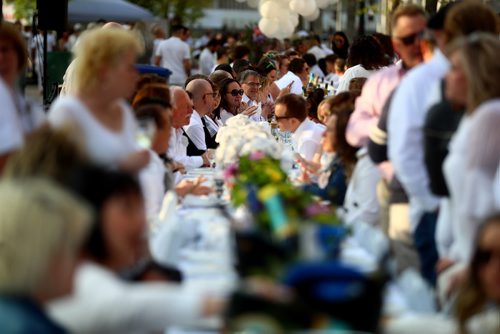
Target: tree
column 184, row 11
column 23, row 8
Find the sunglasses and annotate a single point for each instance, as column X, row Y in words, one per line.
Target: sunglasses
column 410, row 39
column 236, row 92
column 484, row 256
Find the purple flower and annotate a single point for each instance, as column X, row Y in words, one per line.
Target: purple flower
column 316, row 209
column 230, row 171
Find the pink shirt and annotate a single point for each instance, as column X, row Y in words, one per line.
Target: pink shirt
column 369, row 105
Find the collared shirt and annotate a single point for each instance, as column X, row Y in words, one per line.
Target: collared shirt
column 212, row 126
column 195, row 131
column 291, row 77
column 177, row 150
column 405, row 132
column 307, row 138
column 369, row 104
column 357, row 71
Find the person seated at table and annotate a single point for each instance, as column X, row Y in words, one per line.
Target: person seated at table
column 152, row 104
column 251, row 83
column 197, row 133
column 103, row 302
column 43, row 228
column 297, row 76
column 178, row 144
column 231, row 101
column 332, row 180
column 291, row 116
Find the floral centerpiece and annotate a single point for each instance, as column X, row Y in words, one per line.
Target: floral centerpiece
column 256, row 167
column 241, row 137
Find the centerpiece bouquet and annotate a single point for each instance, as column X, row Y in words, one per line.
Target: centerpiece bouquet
column 256, row 169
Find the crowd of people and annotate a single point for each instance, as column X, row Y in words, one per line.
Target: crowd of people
column 405, row 141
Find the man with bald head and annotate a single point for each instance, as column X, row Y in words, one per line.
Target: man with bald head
column 203, row 98
column 182, row 111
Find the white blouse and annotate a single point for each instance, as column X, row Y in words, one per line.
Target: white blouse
column 104, row 146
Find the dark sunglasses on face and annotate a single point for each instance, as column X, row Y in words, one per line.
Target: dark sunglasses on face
column 410, row 39
column 236, row 92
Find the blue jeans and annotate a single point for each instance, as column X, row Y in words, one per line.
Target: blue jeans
column 425, row 243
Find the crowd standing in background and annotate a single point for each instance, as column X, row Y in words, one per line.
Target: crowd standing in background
column 399, row 132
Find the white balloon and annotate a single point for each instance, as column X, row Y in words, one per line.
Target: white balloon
column 268, row 26
column 271, row 9
column 309, row 7
column 314, row 15
column 294, row 19
column 296, row 6
column 323, row 3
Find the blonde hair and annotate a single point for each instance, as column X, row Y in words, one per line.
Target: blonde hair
column 100, row 48
column 49, row 153
column 38, row 221
column 478, row 54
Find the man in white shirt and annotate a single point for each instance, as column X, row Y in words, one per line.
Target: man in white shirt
column 207, row 57
column 182, row 111
column 406, row 118
column 250, row 82
column 298, row 75
column 174, row 54
column 291, row 115
column 203, row 101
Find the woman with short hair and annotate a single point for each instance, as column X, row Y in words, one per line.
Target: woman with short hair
column 42, row 228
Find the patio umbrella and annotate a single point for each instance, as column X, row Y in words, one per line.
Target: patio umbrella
column 109, row 10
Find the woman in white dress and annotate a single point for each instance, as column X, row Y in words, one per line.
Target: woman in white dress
column 98, row 114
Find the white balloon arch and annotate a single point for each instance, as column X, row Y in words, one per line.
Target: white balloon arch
column 281, row 17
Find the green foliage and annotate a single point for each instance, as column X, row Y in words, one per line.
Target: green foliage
column 187, row 11
column 23, row 9
column 257, row 178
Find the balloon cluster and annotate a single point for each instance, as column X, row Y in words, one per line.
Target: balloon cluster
column 281, row 17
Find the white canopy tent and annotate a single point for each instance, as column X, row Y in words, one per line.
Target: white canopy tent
column 109, row 10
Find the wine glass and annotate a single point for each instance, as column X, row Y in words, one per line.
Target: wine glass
column 145, row 132
column 211, row 157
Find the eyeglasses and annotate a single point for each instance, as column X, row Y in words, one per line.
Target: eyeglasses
column 410, row 39
column 484, row 256
column 236, row 92
column 252, row 84
column 214, row 94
